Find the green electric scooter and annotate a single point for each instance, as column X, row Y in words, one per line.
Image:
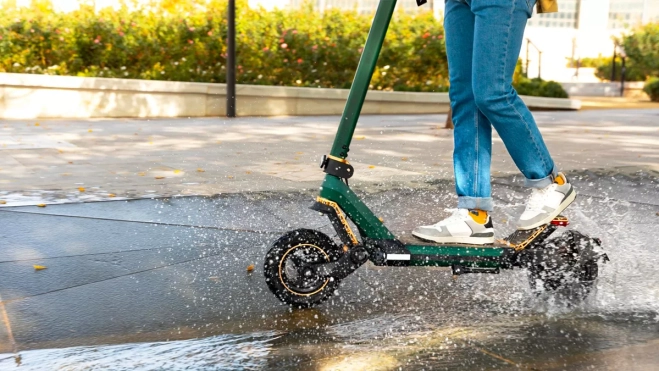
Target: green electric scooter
column 304, row 267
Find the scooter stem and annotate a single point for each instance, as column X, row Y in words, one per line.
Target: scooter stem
column 362, row 79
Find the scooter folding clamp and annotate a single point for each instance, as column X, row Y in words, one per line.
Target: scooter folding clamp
column 337, row 166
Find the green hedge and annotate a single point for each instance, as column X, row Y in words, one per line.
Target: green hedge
column 651, row 88
column 540, row 88
column 183, row 40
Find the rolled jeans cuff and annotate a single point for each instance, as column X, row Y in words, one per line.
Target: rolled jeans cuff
column 541, row 183
column 475, row 203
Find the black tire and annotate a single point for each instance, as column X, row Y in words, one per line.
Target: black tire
column 567, row 266
column 282, row 267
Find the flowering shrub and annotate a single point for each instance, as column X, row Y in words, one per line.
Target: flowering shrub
column 184, row 40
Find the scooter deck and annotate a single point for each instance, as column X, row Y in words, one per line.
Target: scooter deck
column 423, row 253
column 489, row 256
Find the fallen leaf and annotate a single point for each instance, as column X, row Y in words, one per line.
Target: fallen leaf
column 141, row 174
column 200, row 170
column 111, row 195
column 177, row 171
column 380, row 219
column 3, row 202
column 371, row 167
column 248, row 172
column 219, row 141
column 81, row 189
column 404, row 158
column 41, row 205
column 160, row 177
column 36, row 124
column 90, row 130
column 250, row 268
column 39, row 267
column 230, row 176
column 361, row 137
column 70, row 162
column 60, row 151
column 299, row 153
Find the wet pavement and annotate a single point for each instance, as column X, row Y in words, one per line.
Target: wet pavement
column 63, row 161
column 164, row 283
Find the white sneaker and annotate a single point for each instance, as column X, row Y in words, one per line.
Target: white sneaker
column 546, row 203
column 464, row 226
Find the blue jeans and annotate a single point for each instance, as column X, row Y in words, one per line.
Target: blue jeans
column 483, row 41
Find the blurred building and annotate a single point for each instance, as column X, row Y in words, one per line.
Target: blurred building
column 581, row 28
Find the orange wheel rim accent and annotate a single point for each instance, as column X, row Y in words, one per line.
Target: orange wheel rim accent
column 283, row 258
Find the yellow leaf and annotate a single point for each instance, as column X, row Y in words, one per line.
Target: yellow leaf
column 250, row 268
column 200, row 170
column 382, row 220
column 219, row 141
column 141, row 174
column 81, row 189
column 111, row 195
column 371, row 166
column 230, row 176
column 177, row 171
column 360, row 137
column 160, row 177
column 3, row 202
column 404, row 158
column 299, row 153
column 248, row 172
column 39, row 267
column 90, row 130
column 41, row 205
column 36, row 124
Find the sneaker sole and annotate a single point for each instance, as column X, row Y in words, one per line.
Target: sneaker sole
column 465, row 240
column 566, row 202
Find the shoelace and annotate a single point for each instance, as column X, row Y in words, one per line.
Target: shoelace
column 538, row 198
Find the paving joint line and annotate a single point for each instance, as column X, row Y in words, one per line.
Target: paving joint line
column 143, row 222
column 2, row 303
column 10, row 334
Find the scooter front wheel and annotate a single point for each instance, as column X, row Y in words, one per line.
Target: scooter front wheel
column 287, row 270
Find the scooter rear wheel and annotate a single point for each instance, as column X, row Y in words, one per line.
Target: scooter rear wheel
column 286, row 267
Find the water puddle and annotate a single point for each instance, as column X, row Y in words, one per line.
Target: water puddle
column 224, row 352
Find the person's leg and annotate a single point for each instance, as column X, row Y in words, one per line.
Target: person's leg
column 472, row 138
column 499, row 31
column 472, row 130
column 498, row 34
